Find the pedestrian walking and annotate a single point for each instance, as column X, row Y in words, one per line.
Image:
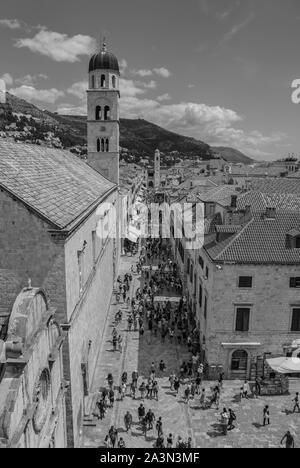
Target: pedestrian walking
column 159, row 427
column 246, row 390
column 141, row 412
column 296, row 401
column 289, row 440
column 128, row 421
column 224, row 421
column 170, row 441
column 232, row 418
column 266, row 415
column 113, row 434
column 121, row 443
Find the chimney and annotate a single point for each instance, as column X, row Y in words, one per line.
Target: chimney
column 270, row 212
column 233, row 201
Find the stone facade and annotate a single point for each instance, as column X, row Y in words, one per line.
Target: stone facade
column 32, row 388
column 77, row 271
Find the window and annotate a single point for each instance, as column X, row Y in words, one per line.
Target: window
column 102, row 145
column 295, row 282
column 200, row 295
column 242, row 319
column 93, row 81
column 103, row 81
column 80, row 270
column 201, row 262
column 245, row 282
column 94, row 238
column 191, row 272
column 113, row 81
column 98, row 145
column 107, row 145
column 239, row 360
column 106, row 113
column 188, row 266
column 207, row 272
column 98, row 115
column 296, row 320
column 205, row 308
column 298, row 242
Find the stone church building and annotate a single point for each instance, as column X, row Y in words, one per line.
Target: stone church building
column 60, row 224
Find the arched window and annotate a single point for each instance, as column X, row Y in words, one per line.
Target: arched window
column 93, row 81
column 106, row 113
column 98, row 115
column 98, row 145
column 107, row 145
column 113, row 81
column 239, row 360
column 103, row 81
column 102, row 145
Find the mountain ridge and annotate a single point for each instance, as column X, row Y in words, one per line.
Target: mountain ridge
column 136, row 135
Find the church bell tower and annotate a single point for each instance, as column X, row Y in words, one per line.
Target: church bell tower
column 103, row 125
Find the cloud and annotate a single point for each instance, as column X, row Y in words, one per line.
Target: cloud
column 123, row 65
column 142, row 73
column 31, row 94
column 150, row 85
column 164, row 97
column 67, row 109
column 238, row 27
column 78, row 89
column 30, row 80
column 216, row 125
column 11, row 23
column 7, row 78
column 59, row 47
column 164, row 72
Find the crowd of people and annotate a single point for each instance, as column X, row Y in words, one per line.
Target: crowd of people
column 172, row 322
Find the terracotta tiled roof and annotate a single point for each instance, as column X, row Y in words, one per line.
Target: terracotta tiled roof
column 55, row 183
column 221, row 195
column 259, row 201
column 280, row 185
column 261, row 240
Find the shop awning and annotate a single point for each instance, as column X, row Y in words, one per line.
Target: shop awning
column 285, row 365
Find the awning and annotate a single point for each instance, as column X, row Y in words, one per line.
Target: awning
column 285, row 365
column 167, row 299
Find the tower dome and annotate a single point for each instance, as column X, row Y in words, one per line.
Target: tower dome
column 104, row 60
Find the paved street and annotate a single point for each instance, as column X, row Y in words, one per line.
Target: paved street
column 178, row 417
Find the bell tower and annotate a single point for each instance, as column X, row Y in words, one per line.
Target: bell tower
column 157, row 169
column 103, row 125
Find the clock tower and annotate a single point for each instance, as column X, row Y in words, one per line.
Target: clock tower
column 103, row 114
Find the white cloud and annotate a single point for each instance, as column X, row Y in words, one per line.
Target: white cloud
column 31, row 94
column 78, row 89
column 164, row 72
column 11, row 23
column 123, row 65
column 150, row 85
column 238, row 27
column 67, row 109
column 213, row 124
column 59, row 47
column 164, row 97
column 142, row 73
column 7, row 78
column 30, row 80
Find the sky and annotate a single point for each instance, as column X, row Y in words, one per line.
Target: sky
column 217, row 70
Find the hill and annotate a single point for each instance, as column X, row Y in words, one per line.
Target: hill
column 232, row 155
column 24, row 121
